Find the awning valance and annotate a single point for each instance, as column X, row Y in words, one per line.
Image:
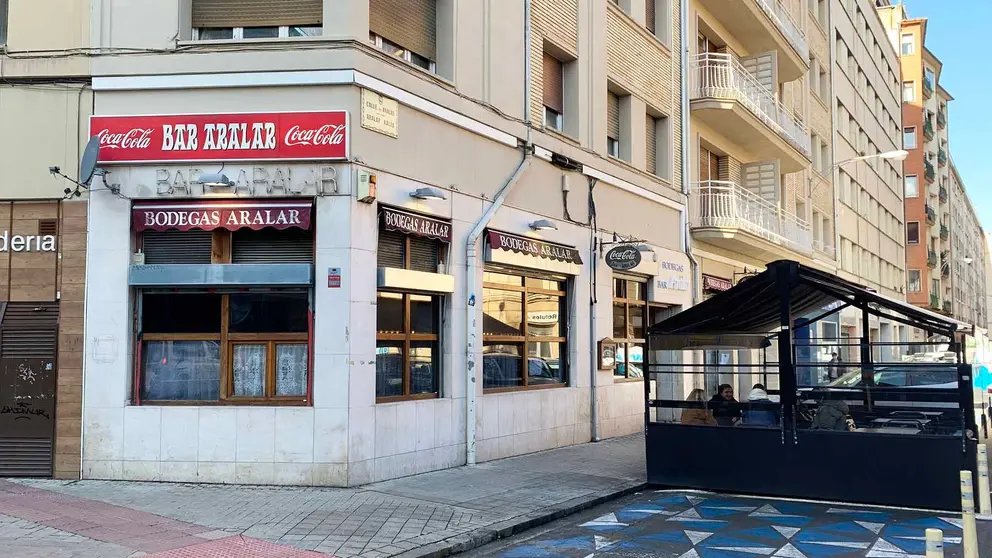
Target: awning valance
column 226, row 214
column 417, row 225
column 537, row 248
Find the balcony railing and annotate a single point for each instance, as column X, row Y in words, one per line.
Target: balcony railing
column 929, row 172
column 942, row 194
column 945, row 270
column 942, row 157
column 931, row 259
column 945, row 233
column 722, row 76
column 948, row 307
column 941, row 119
column 931, row 215
column 928, row 129
column 927, row 87
column 724, row 204
column 777, row 12
column 825, row 249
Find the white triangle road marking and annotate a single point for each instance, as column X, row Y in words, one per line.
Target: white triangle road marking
column 842, row 544
column 949, row 540
column 873, row 527
column 759, row 550
column 691, row 554
column 787, row 532
column 697, row 536
column 789, row 551
column 883, row 545
column 601, row 542
column 955, row 521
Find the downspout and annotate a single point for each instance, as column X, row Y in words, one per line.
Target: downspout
column 593, row 301
column 684, row 214
column 472, row 254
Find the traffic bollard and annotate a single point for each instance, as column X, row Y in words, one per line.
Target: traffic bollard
column 983, row 433
column 984, row 498
column 935, row 543
column 969, row 537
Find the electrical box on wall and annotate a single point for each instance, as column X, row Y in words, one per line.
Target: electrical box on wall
column 365, row 189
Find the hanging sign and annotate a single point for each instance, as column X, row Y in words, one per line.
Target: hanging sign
column 623, row 258
column 222, row 137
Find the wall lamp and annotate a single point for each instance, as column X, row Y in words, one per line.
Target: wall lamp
column 216, row 180
column 427, row 193
column 543, row 225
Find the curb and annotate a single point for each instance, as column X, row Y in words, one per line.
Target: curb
column 510, row 527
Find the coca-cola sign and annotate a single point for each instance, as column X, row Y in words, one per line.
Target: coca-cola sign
column 623, row 257
column 277, row 136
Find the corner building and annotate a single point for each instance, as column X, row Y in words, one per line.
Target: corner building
column 347, row 241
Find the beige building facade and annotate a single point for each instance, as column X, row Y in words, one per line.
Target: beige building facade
column 458, row 171
column 967, row 260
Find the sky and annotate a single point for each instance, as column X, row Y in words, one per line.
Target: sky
column 956, row 31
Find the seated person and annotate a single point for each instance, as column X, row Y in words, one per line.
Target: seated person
column 760, row 416
column 831, row 415
column 726, row 409
column 698, row 416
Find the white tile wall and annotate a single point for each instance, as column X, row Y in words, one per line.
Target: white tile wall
column 330, row 441
column 180, row 434
column 294, row 435
column 142, row 431
column 256, row 435
column 217, row 434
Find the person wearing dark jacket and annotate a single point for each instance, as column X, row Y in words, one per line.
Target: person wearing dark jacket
column 726, row 409
column 831, row 415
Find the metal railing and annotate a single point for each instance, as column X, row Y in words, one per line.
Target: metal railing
column 931, row 258
column 944, row 232
column 929, row 172
column 941, row 157
column 777, row 12
column 942, row 194
column 721, row 76
column 825, row 249
column 927, row 87
column 725, row 204
column 928, row 130
column 935, row 301
column 942, row 119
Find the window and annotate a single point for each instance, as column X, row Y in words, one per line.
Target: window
column 407, row 350
column 913, row 232
column 651, row 145
column 554, row 92
column 272, row 32
column 238, row 347
column 908, row 91
column 659, row 145
column 657, row 18
column 525, row 321
column 3, row 21
column 400, row 52
column 908, row 44
column 915, row 281
column 909, row 137
column 821, row 13
column 630, row 310
column 612, row 124
column 406, row 29
column 912, row 186
column 224, row 20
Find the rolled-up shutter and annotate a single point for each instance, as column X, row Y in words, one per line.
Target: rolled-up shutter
column 649, row 15
column 30, row 330
column 177, row 247
column 553, row 83
column 411, row 24
column 423, row 254
column 392, row 249
column 612, row 115
column 651, row 135
column 256, row 13
column 272, row 246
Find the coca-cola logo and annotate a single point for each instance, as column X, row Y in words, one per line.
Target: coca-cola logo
column 135, row 138
column 328, row 134
column 623, row 258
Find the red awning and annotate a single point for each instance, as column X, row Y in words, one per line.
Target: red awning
column 222, row 214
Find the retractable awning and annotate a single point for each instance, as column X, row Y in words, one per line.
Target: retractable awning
column 753, row 307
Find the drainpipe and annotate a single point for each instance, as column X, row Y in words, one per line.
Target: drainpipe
column 472, row 255
column 593, row 300
column 684, row 214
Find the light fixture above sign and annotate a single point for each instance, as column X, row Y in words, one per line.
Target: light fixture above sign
column 427, row 193
column 216, row 180
column 543, row 225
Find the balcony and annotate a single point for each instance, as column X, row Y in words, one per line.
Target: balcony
column 945, row 233
column 941, row 157
column 948, row 307
column 762, row 26
column 729, row 99
column 928, row 131
column 942, row 194
column 931, row 215
column 942, row 119
column 945, row 270
column 739, row 220
column 825, row 249
column 929, row 172
column 931, row 259
column 927, row 87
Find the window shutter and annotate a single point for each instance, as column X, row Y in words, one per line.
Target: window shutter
column 649, row 15
column 177, row 247
column 612, row 115
column 30, row 330
column 392, row 249
column 257, row 13
column 423, row 254
column 411, row 24
column 272, row 246
column 553, row 84
column 651, row 136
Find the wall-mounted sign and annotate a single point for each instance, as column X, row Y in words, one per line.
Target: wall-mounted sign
column 623, row 257
column 230, row 215
column 380, row 114
column 537, row 248
column 607, row 354
column 222, row 137
column 671, row 277
column 27, row 243
column 538, row 318
column 334, row 278
column 418, row 225
column 711, row 283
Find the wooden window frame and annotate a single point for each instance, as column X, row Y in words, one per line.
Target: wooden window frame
column 628, row 341
column 227, row 340
column 525, row 338
column 408, row 336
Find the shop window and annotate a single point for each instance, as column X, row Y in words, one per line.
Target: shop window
column 632, row 316
column 219, row 347
column 407, row 348
column 525, row 321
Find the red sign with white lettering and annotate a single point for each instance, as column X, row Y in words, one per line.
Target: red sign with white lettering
column 227, row 214
column 272, row 136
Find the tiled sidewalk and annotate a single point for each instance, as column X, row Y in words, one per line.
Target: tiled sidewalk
column 425, row 515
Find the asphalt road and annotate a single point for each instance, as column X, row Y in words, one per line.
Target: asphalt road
column 699, row 525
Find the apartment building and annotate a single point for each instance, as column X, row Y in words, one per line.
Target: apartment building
column 457, row 174
column 45, row 100
column 867, row 116
column 965, row 268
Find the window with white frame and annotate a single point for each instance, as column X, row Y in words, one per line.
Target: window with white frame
column 219, row 20
column 400, row 52
column 270, row 32
column 912, row 186
column 908, row 91
column 554, row 92
column 909, row 137
column 908, row 44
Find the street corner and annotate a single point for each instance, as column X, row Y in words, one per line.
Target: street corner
column 698, row 525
